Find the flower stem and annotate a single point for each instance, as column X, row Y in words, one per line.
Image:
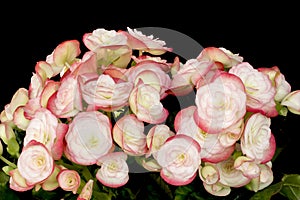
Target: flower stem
column 13, row 165
column 87, row 175
column 69, row 166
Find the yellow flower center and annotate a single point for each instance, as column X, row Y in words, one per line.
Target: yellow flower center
column 93, row 142
column 39, row 161
column 112, row 167
column 70, row 181
column 180, row 158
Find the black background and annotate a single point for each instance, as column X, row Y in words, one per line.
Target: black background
column 265, row 35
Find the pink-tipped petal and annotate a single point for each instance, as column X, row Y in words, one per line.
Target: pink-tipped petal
column 66, row 52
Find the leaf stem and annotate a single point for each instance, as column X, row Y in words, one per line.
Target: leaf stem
column 13, row 165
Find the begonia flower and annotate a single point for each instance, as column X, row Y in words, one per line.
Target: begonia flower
column 257, row 141
column 128, row 133
column 35, row 163
column 179, row 158
column 259, row 89
column 69, row 180
column 220, row 104
column 88, row 137
column 113, row 170
column 292, row 102
column 144, row 101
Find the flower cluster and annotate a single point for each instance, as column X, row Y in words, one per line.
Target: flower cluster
column 113, row 104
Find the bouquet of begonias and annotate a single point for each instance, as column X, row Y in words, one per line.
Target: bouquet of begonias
column 128, row 105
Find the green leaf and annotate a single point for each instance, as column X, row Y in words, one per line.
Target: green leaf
column 13, row 146
column 277, row 152
column 3, row 178
column 126, row 193
column 282, row 110
column 182, row 192
column 153, row 193
column 101, row 196
column 48, row 195
column 268, row 192
column 7, row 169
column 9, row 194
column 195, row 196
column 189, row 192
column 159, row 187
column 180, row 197
column 291, row 186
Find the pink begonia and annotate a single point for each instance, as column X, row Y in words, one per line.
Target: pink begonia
column 102, row 38
column 20, row 98
column 217, row 189
column 292, row 102
column 116, row 73
column 209, row 173
column 196, row 70
column 257, row 141
column 232, row 135
column 40, row 101
column 102, row 92
column 57, row 149
column 144, row 101
column 88, row 64
column 247, row 166
column 220, row 103
column 6, row 132
column 63, row 56
column 209, row 77
column 137, row 40
column 184, row 123
column 36, row 86
column 66, row 101
column 17, row 182
column 49, row 89
column 221, row 56
column 278, row 80
column 150, row 164
column 69, row 180
column 44, row 70
column 212, row 150
column 31, row 107
column 110, row 46
column 235, row 58
column 88, row 137
column 156, row 137
column 229, row 175
column 164, row 65
column 35, row 163
column 264, row 179
column 45, row 128
column 150, row 73
column 87, row 191
column 114, row 169
column 42, row 128
column 20, row 119
column 180, row 159
column 188, row 76
column 213, row 147
column 175, row 67
column 259, row 89
column 128, row 133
